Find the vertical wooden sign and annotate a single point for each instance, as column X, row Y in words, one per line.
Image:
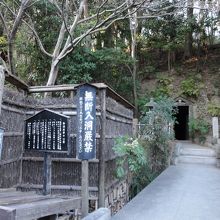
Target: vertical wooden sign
column 86, row 136
column 86, row 122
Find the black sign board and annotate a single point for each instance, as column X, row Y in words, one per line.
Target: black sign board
column 46, row 131
column 86, row 122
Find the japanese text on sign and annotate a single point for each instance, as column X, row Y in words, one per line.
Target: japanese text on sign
column 86, row 114
column 46, row 131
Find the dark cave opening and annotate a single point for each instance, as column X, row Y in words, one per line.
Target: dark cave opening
column 181, row 127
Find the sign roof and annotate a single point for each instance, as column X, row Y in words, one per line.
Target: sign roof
column 47, row 110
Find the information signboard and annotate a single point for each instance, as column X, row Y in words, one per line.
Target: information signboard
column 86, row 122
column 46, row 131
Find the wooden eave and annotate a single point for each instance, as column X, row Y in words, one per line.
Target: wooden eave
column 186, row 101
column 73, row 87
column 14, row 80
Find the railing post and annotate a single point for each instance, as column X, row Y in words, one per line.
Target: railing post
column 2, row 82
column 215, row 128
column 135, row 127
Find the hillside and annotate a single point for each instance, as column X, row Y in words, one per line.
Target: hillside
column 196, row 80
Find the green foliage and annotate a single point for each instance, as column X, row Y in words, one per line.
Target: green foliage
column 3, row 43
column 156, row 129
column 191, row 87
column 164, row 32
column 214, row 109
column 156, row 133
column 132, row 163
column 164, row 87
column 77, row 67
column 143, row 99
column 106, row 65
column 112, row 68
column 198, row 128
column 147, row 156
column 131, row 152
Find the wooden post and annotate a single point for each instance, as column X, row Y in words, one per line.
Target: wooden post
column 215, row 127
column 134, row 127
column 71, row 94
column 2, row 83
column 47, row 174
column 85, row 188
column 102, row 147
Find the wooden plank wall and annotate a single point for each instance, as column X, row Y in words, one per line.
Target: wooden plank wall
column 119, row 123
column 12, row 120
column 24, row 169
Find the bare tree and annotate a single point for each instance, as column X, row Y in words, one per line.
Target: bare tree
column 75, row 15
column 106, row 13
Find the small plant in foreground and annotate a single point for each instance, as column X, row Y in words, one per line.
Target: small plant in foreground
column 198, row 127
column 131, row 154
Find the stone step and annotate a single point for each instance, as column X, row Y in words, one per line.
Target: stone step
column 197, row 160
column 207, row 152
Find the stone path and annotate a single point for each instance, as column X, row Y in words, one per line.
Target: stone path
column 182, row 192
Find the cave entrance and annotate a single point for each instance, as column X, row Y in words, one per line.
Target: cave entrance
column 181, row 127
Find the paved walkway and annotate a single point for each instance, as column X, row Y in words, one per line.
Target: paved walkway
column 182, row 192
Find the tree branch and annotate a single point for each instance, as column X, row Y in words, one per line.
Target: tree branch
column 4, row 24
column 73, row 26
column 92, row 30
column 31, row 27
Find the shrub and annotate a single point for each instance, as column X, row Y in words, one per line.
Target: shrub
column 143, row 158
column 214, row 109
column 191, row 87
column 131, row 152
column 198, row 128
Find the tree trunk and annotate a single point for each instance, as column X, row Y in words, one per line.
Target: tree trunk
column 99, row 41
column 52, row 76
column 199, row 65
column 189, row 37
column 135, row 89
column 53, row 73
column 169, row 60
column 86, row 9
column 86, row 15
column 11, row 57
column 108, row 38
column 133, row 28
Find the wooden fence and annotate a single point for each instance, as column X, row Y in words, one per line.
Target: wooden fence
column 24, row 169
